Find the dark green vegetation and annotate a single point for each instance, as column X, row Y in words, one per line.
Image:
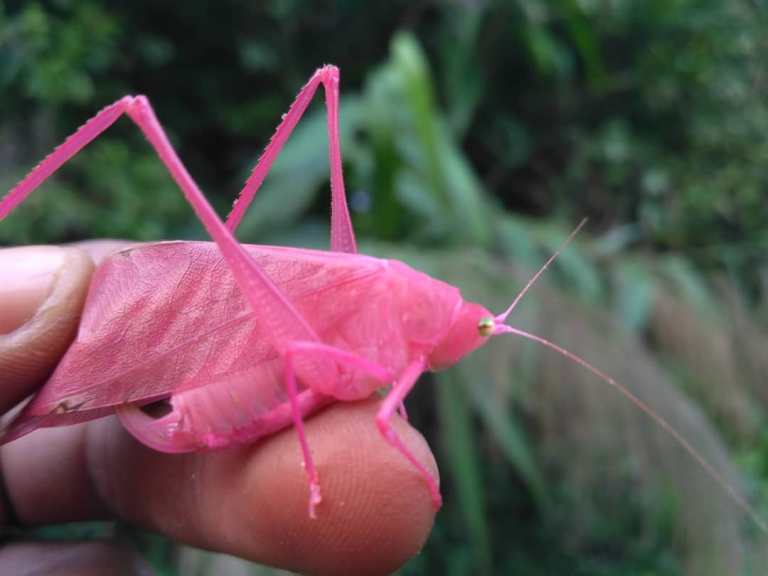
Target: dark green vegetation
column 475, row 135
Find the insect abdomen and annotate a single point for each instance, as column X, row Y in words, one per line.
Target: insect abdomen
column 239, row 408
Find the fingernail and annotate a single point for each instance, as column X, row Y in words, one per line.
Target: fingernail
column 27, row 275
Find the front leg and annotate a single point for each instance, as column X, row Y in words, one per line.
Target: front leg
column 391, row 404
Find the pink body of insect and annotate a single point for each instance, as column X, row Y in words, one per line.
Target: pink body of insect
column 241, row 341
column 216, row 358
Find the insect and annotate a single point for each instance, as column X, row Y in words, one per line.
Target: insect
column 200, row 345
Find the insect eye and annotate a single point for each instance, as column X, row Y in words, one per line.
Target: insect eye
column 486, row 326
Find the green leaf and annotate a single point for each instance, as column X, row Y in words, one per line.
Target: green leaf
column 513, row 442
column 634, row 298
column 460, row 449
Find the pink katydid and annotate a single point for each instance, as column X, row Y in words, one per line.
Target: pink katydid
column 241, row 341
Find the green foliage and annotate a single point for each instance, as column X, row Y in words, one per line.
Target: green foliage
column 54, row 55
column 141, row 203
column 647, row 114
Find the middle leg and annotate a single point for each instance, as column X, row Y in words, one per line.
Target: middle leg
column 340, row 357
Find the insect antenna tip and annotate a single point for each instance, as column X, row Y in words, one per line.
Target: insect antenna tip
column 503, row 316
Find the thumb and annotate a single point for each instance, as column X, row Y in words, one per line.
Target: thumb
column 42, row 290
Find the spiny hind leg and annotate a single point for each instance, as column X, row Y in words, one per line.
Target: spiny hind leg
column 342, row 233
column 263, row 295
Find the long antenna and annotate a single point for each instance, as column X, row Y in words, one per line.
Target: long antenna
column 503, row 316
column 663, row 423
column 502, row 328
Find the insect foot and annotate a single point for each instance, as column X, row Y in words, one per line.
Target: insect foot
column 314, row 498
column 385, row 427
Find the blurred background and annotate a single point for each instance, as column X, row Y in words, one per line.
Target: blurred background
column 476, row 134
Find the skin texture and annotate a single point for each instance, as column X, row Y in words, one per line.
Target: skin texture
column 249, row 501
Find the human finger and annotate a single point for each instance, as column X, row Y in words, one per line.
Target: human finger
column 42, row 289
column 249, row 501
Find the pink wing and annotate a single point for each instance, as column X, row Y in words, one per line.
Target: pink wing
column 167, row 317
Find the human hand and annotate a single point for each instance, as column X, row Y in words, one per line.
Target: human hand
column 250, row 501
